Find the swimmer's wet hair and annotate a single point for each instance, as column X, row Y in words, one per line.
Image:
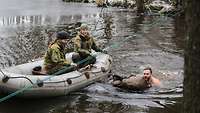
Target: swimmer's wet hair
column 148, row 68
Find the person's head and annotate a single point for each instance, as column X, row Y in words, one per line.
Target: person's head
column 63, row 37
column 147, row 73
column 84, row 30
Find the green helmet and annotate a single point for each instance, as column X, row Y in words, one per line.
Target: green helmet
column 62, row 35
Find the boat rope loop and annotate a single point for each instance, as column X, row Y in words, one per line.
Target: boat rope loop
column 19, row 77
column 6, row 78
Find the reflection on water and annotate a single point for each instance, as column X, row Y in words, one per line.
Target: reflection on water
column 140, row 41
column 43, row 20
column 19, row 20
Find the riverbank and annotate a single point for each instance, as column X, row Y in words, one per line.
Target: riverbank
column 152, row 7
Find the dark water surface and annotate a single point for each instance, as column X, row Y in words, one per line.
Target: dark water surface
column 133, row 41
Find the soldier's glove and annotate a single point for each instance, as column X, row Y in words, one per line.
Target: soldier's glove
column 73, row 64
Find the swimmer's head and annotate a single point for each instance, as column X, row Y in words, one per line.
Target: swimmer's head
column 147, row 73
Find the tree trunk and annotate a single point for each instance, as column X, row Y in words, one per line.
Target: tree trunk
column 140, row 6
column 192, row 58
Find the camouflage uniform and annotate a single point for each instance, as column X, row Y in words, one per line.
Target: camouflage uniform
column 83, row 46
column 54, row 58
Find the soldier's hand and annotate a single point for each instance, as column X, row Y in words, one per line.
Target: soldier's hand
column 73, row 64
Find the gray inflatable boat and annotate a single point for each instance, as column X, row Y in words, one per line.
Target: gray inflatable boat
column 20, row 78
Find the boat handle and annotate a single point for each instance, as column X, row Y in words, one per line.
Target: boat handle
column 103, row 69
column 87, row 75
column 40, row 83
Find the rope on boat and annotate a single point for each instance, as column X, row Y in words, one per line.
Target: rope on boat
column 3, row 73
column 22, row 77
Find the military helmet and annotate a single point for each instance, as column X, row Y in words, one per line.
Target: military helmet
column 62, row 35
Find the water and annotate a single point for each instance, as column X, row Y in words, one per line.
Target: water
column 133, row 41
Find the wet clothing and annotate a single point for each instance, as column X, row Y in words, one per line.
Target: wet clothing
column 54, row 59
column 83, row 46
column 136, row 83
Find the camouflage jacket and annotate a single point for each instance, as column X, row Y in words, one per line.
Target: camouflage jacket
column 85, row 44
column 55, row 57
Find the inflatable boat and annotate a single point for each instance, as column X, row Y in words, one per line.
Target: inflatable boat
column 20, row 79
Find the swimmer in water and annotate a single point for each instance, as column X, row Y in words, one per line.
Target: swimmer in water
column 137, row 82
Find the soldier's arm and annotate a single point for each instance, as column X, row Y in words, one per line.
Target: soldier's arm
column 77, row 47
column 95, row 47
column 56, row 58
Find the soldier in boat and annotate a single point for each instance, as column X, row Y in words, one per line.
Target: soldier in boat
column 54, row 59
column 83, row 45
